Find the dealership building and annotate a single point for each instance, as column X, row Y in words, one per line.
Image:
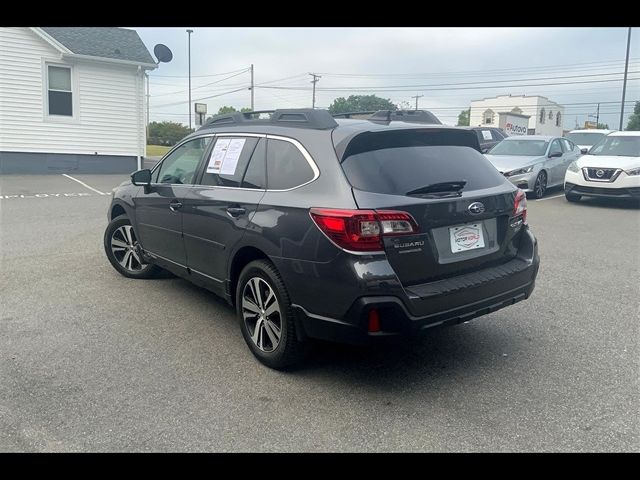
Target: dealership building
column 512, row 113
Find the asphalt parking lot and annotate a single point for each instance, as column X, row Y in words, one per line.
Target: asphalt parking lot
column 93, row 361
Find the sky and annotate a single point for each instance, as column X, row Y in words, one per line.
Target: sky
column 449, row 67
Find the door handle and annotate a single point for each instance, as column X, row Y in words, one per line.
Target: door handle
column 236, row 211
column 173, row 206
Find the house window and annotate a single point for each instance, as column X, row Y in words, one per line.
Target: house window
column 550, row 114
column 558, row 120
column 488, row 117
column 542, row 115
column 60, row 96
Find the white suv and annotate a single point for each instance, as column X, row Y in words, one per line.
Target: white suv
column 585, row 139
column 611, row 169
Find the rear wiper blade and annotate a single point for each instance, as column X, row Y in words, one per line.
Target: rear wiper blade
column 455, row 186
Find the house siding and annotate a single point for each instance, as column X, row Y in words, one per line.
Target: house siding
column 108, row 102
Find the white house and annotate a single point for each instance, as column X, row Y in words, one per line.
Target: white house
column 72, row 99
column 545, row 116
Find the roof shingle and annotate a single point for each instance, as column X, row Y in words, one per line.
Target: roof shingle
column 105, row 42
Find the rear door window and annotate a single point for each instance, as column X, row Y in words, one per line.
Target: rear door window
column 408, row 161
column 497, row 136
column 286, row 166
column 255, row 176
column 228, row 161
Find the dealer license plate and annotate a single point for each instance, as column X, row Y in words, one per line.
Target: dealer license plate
column 466, row 237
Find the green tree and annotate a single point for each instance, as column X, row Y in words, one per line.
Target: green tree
column 463, row 118
column 603, row 126
column 226, row 109
column 360, row 103
column 167, row 133
column 634, row 119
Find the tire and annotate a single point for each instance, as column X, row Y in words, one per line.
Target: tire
column 119, row 244
column 259, row 328
column 540, row 185
column 572, row 197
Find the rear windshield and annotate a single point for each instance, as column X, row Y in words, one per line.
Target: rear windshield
column 399, row 169
column 582, row 138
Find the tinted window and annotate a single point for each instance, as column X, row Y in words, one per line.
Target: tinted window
column 555, row 147
column 617, row 145
column 497, row 135
column 583, row 138
column 399, row 170
column 567, row 144
column 256, row 172
column 180, row 165
column 511, row 146
column 484, row 136
column 286, row 166
column 234, row 154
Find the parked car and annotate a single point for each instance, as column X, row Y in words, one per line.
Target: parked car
column 534, row 162
column 344, row 230
column 610, row 169
column 489, row 137
column 585, row 139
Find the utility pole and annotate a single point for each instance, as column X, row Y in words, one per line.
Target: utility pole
column 189, row 32
column 598, row 116
column 314, row 81
column 251, row 87
column 147, row 75
column 417, row 97
column 624, row 84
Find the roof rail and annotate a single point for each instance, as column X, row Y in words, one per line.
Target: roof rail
column 349, row 114
column 294, row 117
column 413, row 116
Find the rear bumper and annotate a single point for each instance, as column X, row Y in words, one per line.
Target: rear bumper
column 421, row 307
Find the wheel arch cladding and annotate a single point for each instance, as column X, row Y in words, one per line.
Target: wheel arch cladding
column 242, row 257
column 117, row 210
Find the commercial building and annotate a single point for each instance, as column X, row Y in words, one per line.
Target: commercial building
column 545, row 117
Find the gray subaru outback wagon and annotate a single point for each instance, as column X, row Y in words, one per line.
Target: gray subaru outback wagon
column 320, row 228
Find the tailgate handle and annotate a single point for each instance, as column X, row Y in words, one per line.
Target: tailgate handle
column 236, row 211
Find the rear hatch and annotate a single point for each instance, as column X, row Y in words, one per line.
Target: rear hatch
column 463, row 207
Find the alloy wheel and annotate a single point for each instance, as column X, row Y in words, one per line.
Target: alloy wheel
column 261, row 314
column 541, row 184
column 124, row 246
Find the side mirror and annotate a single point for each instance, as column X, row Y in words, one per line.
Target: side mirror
column 485, row 150
column 584, row 151
column 141, row 177
column 555, row 154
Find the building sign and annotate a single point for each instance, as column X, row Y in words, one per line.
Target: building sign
column 513, row 123
column 589, row 124
column 201, row 111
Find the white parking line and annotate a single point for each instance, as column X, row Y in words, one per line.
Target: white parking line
column 549, row 198
column 84, row 184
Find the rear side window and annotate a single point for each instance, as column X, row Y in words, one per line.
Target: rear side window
column 497, row 136
column 228, row 161
column 400, row 168
column 286, row 166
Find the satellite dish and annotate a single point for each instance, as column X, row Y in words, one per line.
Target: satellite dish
column 162, row 53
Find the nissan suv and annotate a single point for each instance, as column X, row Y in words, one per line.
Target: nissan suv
column 316, row 228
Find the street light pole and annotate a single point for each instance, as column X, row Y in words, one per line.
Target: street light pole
column 624, row 84
column 252, row 87
column 189, row 32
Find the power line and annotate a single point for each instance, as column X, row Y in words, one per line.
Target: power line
column 197, row 76
column 202, row 86
column 199, row 99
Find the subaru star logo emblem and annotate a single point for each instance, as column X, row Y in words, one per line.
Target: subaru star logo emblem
column 476, row 208
column 599, row 173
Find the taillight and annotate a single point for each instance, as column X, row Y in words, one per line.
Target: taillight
column 362, row 230
column 520, row 206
